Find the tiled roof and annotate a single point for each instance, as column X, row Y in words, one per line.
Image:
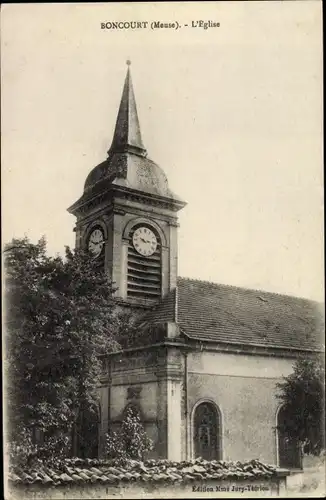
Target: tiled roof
column 99, row 471
column 227, row 314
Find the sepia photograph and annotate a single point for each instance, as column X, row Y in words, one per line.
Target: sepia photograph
column 163, row 250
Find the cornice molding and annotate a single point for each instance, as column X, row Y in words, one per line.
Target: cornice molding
column 254, row 350
column 191, row 345
column 170, row 372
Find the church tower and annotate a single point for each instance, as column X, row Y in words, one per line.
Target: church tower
column 127, row 215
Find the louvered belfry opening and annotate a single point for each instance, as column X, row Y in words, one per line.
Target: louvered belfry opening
column 144, row 279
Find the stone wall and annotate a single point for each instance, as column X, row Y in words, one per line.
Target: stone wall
column 242, row 386
column 244, row 389
column 216, row 489
column 135, row 379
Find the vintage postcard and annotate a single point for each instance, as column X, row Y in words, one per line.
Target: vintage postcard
column 162, row 228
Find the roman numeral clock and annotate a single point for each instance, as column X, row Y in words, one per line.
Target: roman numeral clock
column 95, row 244
column 144, row 241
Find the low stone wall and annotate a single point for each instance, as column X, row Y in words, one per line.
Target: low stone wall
column 215, row 489
column 150, row 479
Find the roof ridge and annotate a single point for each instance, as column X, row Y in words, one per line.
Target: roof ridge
column 257, row 290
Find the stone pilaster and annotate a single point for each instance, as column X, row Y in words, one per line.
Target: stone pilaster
column 118, row 272
column 161, row 418
column 174, row 419
column 174, row 401
column 173, row 260
column 170, row 383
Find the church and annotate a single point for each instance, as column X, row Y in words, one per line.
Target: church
column 203, row 375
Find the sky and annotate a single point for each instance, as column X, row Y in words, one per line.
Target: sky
column 233, row 115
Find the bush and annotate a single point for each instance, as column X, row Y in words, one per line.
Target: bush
column 24, row 452
column 131, row 441
column 21, row 452
column 303, row 396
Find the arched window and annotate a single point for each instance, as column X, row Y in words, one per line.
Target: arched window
column 289, row 452
column 207, row 432
column 85, row 434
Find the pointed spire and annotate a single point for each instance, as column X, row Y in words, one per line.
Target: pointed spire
column 127, row 135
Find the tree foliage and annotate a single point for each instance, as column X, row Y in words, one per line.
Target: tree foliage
column 130, row 441
column 302, row 394
column 60, row 315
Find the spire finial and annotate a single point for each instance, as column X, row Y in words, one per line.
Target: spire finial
column 128, row 62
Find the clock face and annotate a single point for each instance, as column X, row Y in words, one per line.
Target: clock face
column 96, row 242
column 144, row 241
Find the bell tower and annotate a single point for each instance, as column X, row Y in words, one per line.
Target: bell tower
column 127, row 214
